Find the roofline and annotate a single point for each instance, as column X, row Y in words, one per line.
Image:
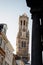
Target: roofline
column 7, row 41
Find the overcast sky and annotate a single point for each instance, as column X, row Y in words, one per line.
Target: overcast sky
column 10, row 10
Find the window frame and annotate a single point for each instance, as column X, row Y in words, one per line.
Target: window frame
column 23, row 43
column 21, row 22
column 24, row 22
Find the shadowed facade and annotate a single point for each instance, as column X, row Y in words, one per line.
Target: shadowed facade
column 37, row 30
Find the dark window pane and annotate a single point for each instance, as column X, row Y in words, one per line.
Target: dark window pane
column 24, row 22
column 21, row 22
column 23, row 44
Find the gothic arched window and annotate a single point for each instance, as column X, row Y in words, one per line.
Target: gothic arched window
column 21, row 22
column 23, row 44
column 24, row 22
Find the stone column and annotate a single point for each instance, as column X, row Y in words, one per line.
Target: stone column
column 36, row 54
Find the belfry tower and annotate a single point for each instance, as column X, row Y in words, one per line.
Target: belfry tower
column 22, row 40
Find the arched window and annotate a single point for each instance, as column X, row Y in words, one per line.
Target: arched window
column 21, row 22
column 24, row 22
column 23, row 44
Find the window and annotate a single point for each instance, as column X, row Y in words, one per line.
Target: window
column 23, row 44
column 24, row 22
column 21, row 22
column 24, row 29
column 0, row 41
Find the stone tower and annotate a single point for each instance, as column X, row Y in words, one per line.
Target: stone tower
column 22, row 40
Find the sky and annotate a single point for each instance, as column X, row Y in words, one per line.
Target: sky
column 10, row 10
